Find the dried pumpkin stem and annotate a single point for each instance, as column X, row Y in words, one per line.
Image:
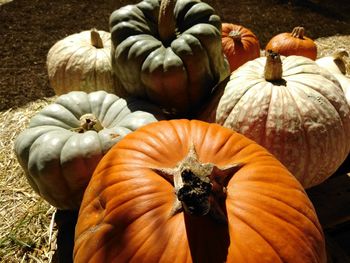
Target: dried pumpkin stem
column 89, row 122
column 298, row 32
column 96, row 39
column 200, row 188
column 273, row 67
column 194, row 193
column 338, row 58
column 166, row 21
column 235, row 35
column 204, row 193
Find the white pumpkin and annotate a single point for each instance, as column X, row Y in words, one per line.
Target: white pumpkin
column 292, row 107
column 337, row 65
column 66, row 140
column 81, row 62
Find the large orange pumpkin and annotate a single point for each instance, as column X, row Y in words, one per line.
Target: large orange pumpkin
column 188, row 191
column 239, row 44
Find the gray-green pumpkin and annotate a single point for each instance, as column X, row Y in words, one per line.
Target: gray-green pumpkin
column 65, row 141
column 168, row 52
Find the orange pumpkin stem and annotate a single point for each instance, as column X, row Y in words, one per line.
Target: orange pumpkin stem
column 96, row 39
column 88, row 122
column 273, row 67
column 200, row 188
column 298, row 32
column 166, row 21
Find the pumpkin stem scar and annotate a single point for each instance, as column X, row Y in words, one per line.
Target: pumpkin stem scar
column 273, row 68
column 166, row 21
column 200, row 188
column 88, row 122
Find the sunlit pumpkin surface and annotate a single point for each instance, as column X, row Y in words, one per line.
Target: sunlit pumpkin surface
column 61, row 148
column 293, row 43
column 81, row 62
column 304, row 119
column 126, row 214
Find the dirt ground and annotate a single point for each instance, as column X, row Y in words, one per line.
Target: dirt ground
column 28, row 29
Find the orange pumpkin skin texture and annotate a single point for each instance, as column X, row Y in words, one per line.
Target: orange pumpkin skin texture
column 293, row 43
column 239, row 44
column 127, row 210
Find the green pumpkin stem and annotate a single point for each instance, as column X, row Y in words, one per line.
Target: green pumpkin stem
column 88, row 122
column 166, row 21
column 96, row 39
column 273, row 67
column 298, row 32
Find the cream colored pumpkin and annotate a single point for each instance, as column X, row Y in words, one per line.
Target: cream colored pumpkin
column 81, row 62
column 337, row 65
column 297, row 111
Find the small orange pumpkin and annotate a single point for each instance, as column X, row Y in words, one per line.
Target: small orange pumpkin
column 188, row 191
column 239, row 44
column 294, row 43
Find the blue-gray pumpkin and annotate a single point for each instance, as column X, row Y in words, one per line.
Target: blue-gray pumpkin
column 168, row 52
column 65, row 141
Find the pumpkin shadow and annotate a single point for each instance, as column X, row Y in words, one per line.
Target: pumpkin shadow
column 208, row 110
column 65, row 221
column 208, row 239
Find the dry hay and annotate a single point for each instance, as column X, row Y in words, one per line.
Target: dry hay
column 27, row 233
column 27, row 229
column 327, row 45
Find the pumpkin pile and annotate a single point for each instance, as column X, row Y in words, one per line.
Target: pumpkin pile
column 179, row 140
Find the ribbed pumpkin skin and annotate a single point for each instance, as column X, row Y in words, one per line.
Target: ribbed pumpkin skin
column 239, row 51
column 59, row 161
column 74, row 64
column 178, row 75
column 125, row 213
column 305, row 124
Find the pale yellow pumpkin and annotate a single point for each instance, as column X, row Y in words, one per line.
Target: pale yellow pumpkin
column 294, row 108
column 81, row 62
